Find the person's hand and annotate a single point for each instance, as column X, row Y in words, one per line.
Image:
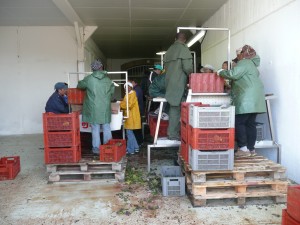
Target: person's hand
column 219, row 71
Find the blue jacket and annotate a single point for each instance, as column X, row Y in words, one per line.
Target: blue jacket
column 57, row 104
column 139, row 94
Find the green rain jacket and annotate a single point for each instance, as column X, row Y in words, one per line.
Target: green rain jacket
column 99, row 90
column 158, row 86
column 178, row 64
column 247, row 89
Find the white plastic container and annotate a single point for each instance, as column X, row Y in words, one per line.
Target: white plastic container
column 115, row 124
column 211, row 117
column 211, row 160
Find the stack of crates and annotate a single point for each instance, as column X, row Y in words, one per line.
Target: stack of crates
column 184, row 150
column 211, row 137
column 61, row 138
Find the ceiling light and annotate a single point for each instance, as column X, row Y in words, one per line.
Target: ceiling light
column 161, row 53
column 195, row 38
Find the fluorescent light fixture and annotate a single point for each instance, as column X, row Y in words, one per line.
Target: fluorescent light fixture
column 196, row 38
column 161, row 53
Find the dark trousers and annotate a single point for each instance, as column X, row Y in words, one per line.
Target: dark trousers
column 138, row 136
column 174, row 122
column 138, row 133
column 245, row 130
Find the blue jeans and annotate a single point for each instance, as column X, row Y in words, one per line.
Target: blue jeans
column 96, row 135
column 131, row 142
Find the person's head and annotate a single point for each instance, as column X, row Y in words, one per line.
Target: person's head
column 130, row 86
column 248, row 52
column 61, row 88
column 157, row 68
column 208, row 68
column 134, row 83
column 97, row 65
column 225, row 65
column 239, row 55
column 180, row 36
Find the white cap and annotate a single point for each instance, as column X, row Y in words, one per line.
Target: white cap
column 238, row 51
column 129, row 84
column 207, row 66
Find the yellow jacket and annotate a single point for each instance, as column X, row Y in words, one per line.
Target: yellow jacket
column 133, row 121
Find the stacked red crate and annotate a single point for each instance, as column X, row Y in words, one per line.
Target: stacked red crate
column 61, row 138
column 206, row 83
column 9, row 167
column 291, row 215
column 214, row 139
column 113, row 150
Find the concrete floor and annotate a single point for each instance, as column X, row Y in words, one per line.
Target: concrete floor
column 30, row 200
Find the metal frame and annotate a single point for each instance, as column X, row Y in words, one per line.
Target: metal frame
column 270, row 143
column 159, row 142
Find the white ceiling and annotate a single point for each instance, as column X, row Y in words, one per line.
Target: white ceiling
column 126, row 28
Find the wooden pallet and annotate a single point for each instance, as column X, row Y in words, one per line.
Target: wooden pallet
column 252, row 177
column 87, row 170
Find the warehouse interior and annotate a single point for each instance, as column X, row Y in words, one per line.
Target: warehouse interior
column 44, row 40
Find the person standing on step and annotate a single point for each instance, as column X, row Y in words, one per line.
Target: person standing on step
column 247, row 92
column 97, row 103
column 178, row 62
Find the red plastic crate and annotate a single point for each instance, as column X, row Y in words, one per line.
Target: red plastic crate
column 206, row 83
column 287, row 219
column 184, row 151
column 185, row 110
column 293, row 202
column 60, row 122
column 76, row 96
column 113, row 150
column 163, row 128
column 201, row 139
column 61, row 139
column 184, row 131
column 62, row 155
column 9, row 167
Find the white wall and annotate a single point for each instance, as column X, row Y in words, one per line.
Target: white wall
column 271, row 27
column 32, row 60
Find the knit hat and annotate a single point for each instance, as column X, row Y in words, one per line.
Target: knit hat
column 96, row 65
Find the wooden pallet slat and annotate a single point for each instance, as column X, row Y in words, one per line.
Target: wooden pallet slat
column 87, row 170
column 252, row 177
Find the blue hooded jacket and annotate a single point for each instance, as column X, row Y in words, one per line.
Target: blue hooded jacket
column 56, row 104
